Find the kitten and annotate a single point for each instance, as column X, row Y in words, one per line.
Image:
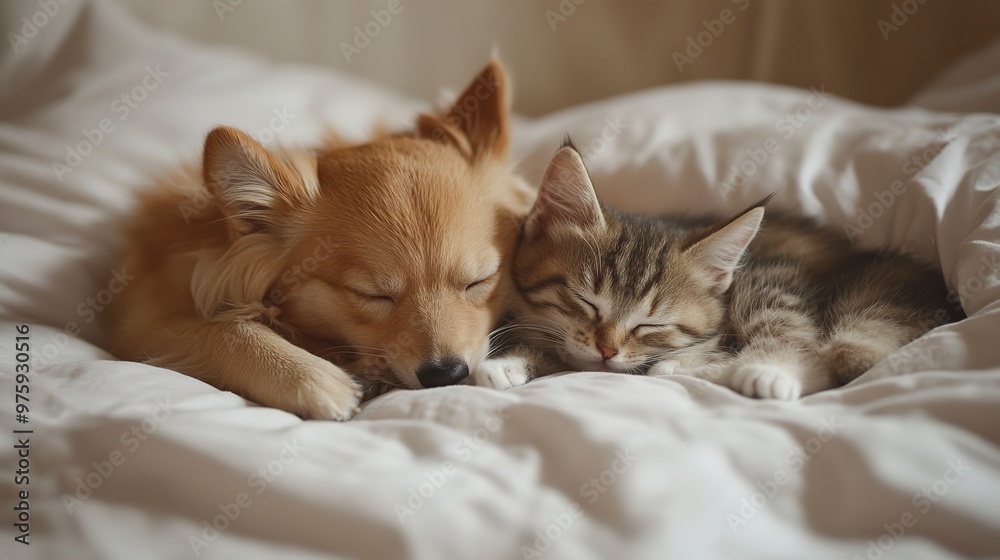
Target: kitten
column 776, row 308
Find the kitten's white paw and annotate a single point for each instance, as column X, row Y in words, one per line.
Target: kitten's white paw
column 501, row 373
column 767, row 381
column 664, row 368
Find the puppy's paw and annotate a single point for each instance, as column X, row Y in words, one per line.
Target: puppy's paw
column 326, row 393
column 766, row 381
column 501, row 373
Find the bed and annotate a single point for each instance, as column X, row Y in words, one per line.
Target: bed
column 130, row 461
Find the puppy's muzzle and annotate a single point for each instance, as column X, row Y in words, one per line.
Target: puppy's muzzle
column 445, row 371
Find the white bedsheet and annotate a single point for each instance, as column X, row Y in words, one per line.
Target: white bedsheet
column 130, row 461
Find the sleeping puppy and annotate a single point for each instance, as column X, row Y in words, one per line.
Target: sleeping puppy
column 261, row 270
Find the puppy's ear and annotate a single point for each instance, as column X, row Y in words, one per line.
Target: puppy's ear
column 478, row 122
column 566, row 197
column 255, row 189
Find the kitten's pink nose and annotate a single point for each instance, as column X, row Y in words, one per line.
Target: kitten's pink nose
column 606, row 352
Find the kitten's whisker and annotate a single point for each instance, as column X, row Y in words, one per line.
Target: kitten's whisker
column 555, row 336
column 541, row 330
column 535, row 332
column 543, row 318
column 548, row 340
column 506, row 327
column 544, row 328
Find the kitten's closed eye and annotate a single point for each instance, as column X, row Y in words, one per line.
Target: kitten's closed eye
column 645, row 329
column 667, row 335
column 592, row 311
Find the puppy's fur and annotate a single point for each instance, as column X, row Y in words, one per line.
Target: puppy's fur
column 381, row 258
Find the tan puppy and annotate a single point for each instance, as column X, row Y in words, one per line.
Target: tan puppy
column 390, row 258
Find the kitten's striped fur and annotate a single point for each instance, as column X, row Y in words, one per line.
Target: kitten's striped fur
column 774, row 306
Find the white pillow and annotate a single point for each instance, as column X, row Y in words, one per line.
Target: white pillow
column 972, row 84
column 905, row 178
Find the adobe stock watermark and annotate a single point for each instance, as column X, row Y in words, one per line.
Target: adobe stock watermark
column 32, row 25
column 886, row 198
column 375, row 372
column 131, row 440
column 786, row 126
column 924, row 351
column 899, row 17
column 612, row 130
column 592, row 490
column 464, row 450
column 303, row 269
column 564, row 10
column 201, row 199
column 367, row 32
column 87, row 310
column 225, row 7
column 121, row 107
column 795, row 459
column 985, row 275
column 277, row 123
column 696, row 44
column 922, row 501
column 257, row 484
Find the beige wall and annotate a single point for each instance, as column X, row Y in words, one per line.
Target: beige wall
column 603, row 47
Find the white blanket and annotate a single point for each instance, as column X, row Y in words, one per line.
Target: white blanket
column 130, row 461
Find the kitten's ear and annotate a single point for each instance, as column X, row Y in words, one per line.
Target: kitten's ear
column 719, row 254
column 254, row 188
column 566, row 197
column 478, row 122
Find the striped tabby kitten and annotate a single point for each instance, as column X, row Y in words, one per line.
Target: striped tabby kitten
column 777, row 309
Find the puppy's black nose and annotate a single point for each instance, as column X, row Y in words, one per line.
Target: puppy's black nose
column 447, row 371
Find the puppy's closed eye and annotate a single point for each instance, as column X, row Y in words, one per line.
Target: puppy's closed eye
column 479, row 289
column 372, row 303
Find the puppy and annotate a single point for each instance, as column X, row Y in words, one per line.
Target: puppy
column 293, row 277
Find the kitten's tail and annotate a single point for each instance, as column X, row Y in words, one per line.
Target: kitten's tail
column 883, row 304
